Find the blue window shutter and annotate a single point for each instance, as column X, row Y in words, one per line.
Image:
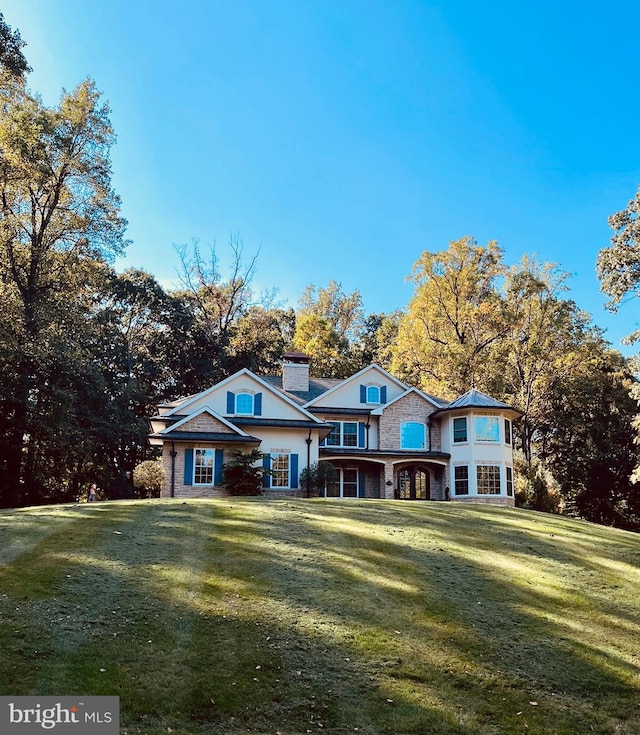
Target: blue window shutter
column 266, row 464
column 231, row 402
column 363, row 394
column 361, row 429
column 361, row 484
column 293, row 470
column 188, row 466
column 217, row 467
column 257, row 404
column 383, row 394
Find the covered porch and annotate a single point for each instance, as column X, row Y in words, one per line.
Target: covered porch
column 385, row 475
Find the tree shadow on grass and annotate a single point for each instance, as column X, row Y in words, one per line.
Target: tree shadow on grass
column 484, row 622
column 180, row 603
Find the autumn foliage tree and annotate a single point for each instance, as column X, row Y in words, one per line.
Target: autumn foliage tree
column 453, row 319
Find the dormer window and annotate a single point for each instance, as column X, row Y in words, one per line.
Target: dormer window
column 244, row 404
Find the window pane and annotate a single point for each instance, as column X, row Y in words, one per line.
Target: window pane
column 421, row 485
column 509, row 481
column 244, row 403
column 203, row 467
column 461, row 480
column 373, row 394
column 279, row 470
column 350, row 483
column 459, row 430
column 487, row 429
column 350, row 434
column 507, row 431
column 333, row 440
column 488, row 479
column 412, row 435
column 333, row 490
column 404, row 484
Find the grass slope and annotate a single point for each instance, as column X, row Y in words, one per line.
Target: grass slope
column 292, row 616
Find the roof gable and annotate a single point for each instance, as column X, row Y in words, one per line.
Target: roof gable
column 429, row 399
column 218, row 422
column 339, row 393
column 215, row 397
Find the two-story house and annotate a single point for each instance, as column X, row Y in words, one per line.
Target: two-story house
column 385, row 439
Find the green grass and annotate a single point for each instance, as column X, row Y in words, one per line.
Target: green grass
column 292, row 616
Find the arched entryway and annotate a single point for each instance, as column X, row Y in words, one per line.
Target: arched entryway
column 414, row 484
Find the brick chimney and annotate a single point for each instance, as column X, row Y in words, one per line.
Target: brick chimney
column 295, row 371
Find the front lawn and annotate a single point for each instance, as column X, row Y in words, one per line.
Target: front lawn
column 294, row 616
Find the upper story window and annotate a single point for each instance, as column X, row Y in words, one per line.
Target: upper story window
column 413, row 435
column 486, row 429
column 244, row 404
column 373, row 394
column 460, row 430
column 344, row 434
column 507, row 431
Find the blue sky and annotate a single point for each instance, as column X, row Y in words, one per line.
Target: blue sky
column 344, row 137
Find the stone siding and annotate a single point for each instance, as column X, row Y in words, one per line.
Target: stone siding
column 205, row 422
column 180, row 489
column 410, row 408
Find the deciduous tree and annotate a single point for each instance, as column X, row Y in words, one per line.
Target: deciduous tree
column 588, row 442
column 11, row 57
column 59, row 225
column 548, row 337
column 619, row 264
column 453, row 319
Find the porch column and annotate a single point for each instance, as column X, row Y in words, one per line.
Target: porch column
column 388, row 486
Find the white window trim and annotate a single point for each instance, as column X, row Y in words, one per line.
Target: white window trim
column 508, row 467
column 213, row 467
column 461, row 495
column 274, row 455
column 373, row 403
column 504, row 425
column 501, row 484
column 485, row 416
column 253, row 403
column 342, row 496
column 453, row 434
column 341, row 444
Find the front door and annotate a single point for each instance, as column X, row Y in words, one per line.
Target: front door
column 413, row 484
